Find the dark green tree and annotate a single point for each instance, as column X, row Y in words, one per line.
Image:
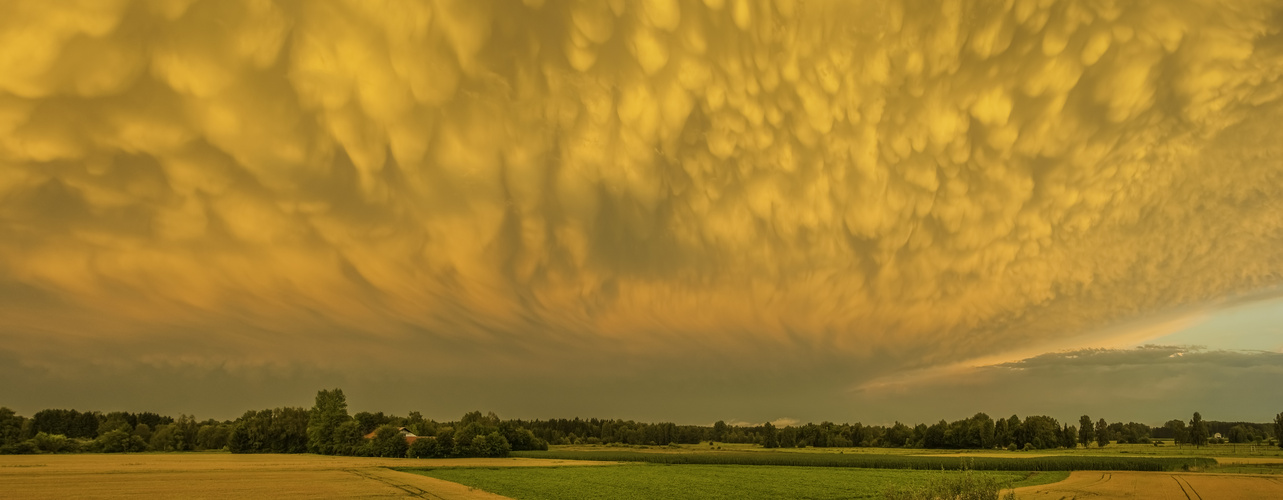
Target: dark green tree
column 1015, row 431
column 1197, row 430
column 184, row 429
column 119, row 441
column 1069, row 437
column 211, row 436
column 769, row 438
column 1085, row 431
column 1102, row 433
column 11, row 426
column 1002, row 435
column 426, row 447
column 491, row 445
column 1180, row 433
column 324, row 420
column 1278, row 429
column 719, row 432
column 388, row 442
column 162, row 439
column 1042, row 431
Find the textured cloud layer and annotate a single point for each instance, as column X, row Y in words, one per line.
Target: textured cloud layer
column 251, row 183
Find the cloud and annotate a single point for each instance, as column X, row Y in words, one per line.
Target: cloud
column 1150, row 384
column 522, row 183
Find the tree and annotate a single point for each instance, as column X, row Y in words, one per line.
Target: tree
column 1180, row 434
column 1102, row 433
column 719, row 432
column 1015, row 431
column 388, row 442
column 1197, row 430
column 491, row 445
column 426, row 447
column 769, row 439
column 1085, row 431
column 1069, row 437
column 11, row 426
column 184, row 429
column 211, row 436
column 1278, row 429
column 162, row 438
column 1001, row 434
column 53, row 443
column 1042, row 431
column 329, row 412
column 119, row 441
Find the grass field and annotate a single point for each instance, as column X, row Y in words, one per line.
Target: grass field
column 647, row 481
column 871, row 461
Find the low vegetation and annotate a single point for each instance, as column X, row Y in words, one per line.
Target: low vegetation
column 876, row 461
column 638, row 481
column 967, row 485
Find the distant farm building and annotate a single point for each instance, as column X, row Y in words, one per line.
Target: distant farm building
column 410, row 438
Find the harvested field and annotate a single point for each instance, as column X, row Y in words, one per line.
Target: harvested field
column 1157, row 485
column 220, row 475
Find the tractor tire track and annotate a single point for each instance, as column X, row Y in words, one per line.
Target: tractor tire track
column 413, row 491
column 1186, row 488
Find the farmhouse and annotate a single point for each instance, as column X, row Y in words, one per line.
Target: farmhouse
column 410, row 438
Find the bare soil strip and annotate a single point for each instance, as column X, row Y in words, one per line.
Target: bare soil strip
column 1158, row 486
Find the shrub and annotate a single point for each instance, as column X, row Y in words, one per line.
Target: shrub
column 388, row 442
column 426, row 447
column 1011, row 447
column 119, row 441
column 490, row 445
column 965, row 486
column 27, row 447
column 52, row 443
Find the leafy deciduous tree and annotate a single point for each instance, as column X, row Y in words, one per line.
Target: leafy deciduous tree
column 1197, row 430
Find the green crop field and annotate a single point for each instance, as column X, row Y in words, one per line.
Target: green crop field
column 1044, row 463
column 702, row 481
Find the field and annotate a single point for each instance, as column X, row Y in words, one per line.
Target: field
column 1157, row 485
column 647, row 481
column 726, row 473
column 701, row 481
column 873, row 461
column 223, row 475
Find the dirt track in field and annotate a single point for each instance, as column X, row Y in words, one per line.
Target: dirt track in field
column 220, row 475
column 1157, row 486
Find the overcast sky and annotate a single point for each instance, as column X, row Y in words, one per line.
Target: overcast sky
column 661, row 210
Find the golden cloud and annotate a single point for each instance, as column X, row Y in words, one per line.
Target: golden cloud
column 929, row 181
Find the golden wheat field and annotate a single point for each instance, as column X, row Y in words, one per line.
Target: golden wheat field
column 219, row 475
column 1157, row 486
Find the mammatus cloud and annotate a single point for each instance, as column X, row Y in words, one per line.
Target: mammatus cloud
column 884, row 185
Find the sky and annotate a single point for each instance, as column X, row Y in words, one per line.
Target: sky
column 659, row 210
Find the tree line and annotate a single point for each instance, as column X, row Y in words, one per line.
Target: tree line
column 327, row 428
